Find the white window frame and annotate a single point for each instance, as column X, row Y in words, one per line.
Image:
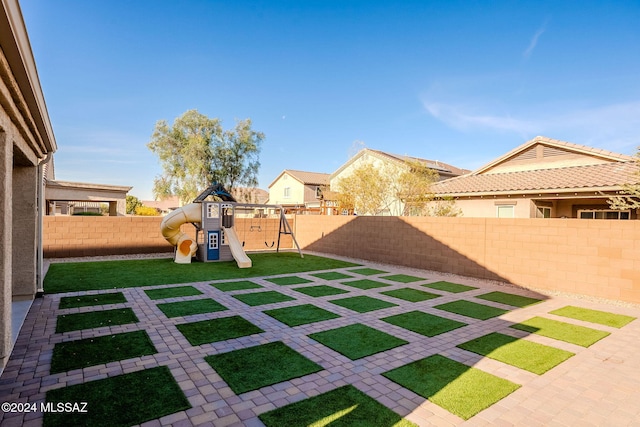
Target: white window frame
column 212, row 210
column 287, row 193
column 540, row 211
column 594, row 214
column 511, row 209
column 213, row 241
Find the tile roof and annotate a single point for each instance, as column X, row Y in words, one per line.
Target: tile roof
column 313, row 178
column 598, row 176
column 433, row 164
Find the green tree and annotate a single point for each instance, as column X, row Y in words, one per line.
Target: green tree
column 132, row 203
column 630, row 193
column 196, row 151
column 414, row 189
column 365, row 190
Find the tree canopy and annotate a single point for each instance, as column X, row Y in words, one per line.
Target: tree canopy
column 630, row 195
column 196, row 151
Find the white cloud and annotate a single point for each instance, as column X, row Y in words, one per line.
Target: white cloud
column 534, row 41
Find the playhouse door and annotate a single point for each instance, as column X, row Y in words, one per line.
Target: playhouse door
column 213, row 245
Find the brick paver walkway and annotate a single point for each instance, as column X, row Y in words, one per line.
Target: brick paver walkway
column 599, row 386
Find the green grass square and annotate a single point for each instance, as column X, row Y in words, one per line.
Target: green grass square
column 357, row 341
column 239, row 285
column 562, row 331
column 262, row 298
column 175, row 292
column 95, row 319
column 320, row 290
column 454, row 288
column 423, row 323
column 289, row 280
column 594, row 316
column 96, row 351
column 471, row 309
column 90, row 300
column 365, row 271
column 365, row 284
column 214, row 330
column 256, row 367
column 523, row 354
column 344, row 406
column 301, row 314
column 411, row 295
column 403, row 278
column 332, row 275
column 509, row 299
column 454, row 386
column 362, row 304
column 189, row 308
column 119, row 401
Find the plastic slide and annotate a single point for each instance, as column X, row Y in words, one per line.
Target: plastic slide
column 186, row 247
column 236, row 248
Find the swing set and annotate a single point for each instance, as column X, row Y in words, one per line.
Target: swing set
column 259, row 226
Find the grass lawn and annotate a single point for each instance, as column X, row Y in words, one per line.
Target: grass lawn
column 454, row 288
column 456, row 387
column 95, row 351
column 148, row 272
column 95, row 319
column 119, row 401
column 562, row 331
column 523, row 354
column 366, row 271
column 178, row 291
column 261, row 298
column 301, row 314
column 238, row 285
column 509, row 299
column 411, row 295
column 214, row 330
column 189, row 308
column 289, row 280
column 365, row 284
column 332, row 275
column 357, row 341
column 320, row 290
column 256, row 367
column 471, row 309
column 342, row 407
column 403, row 278
column 362, row 304
column 90, row 300
column 594, row 316
column 423, row 323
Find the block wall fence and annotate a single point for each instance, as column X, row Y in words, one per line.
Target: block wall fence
column 591, row 257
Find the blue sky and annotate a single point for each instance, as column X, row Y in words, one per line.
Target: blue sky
column 459, row 82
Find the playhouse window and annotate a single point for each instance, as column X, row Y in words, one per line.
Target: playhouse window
column 213, row 241
column 212, row 210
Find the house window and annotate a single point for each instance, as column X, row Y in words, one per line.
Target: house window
column 287, row 192
column 505, row 211
column 318, row 193
column 603, row 214
column 543, row 212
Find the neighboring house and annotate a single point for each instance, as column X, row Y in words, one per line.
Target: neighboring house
column 544, row 178
column 383, row 160
column 164, row 205
column 250, row 195
column 298, row 191
column 26, row 142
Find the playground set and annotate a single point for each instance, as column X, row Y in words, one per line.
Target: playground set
column 216, row 238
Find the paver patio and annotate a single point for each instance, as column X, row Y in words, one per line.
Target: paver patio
column 600, row 385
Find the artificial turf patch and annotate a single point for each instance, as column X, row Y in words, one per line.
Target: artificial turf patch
column 90, row 300
column 423, row 323
column 238, row 285
column 289, row 280
column 301, row 314
column 403, row 278
column 123, row 400
column 365, row 284
column 256, row 367
column 562, row 331
column 509, row 299
column 523, row 354
column 411, row 295
column 594, row 316
column 344, row 406
column 362, row 304
column 366, row 271
column 95, row 351
column 471, row 309
column 214, row 330
column 357, row 341
column 95, row 319
column 188, row 308
column 454, row 288
column 261, row 298
column 456, row 387
column 175, row 292
column 331, row 275
column 320, row 290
